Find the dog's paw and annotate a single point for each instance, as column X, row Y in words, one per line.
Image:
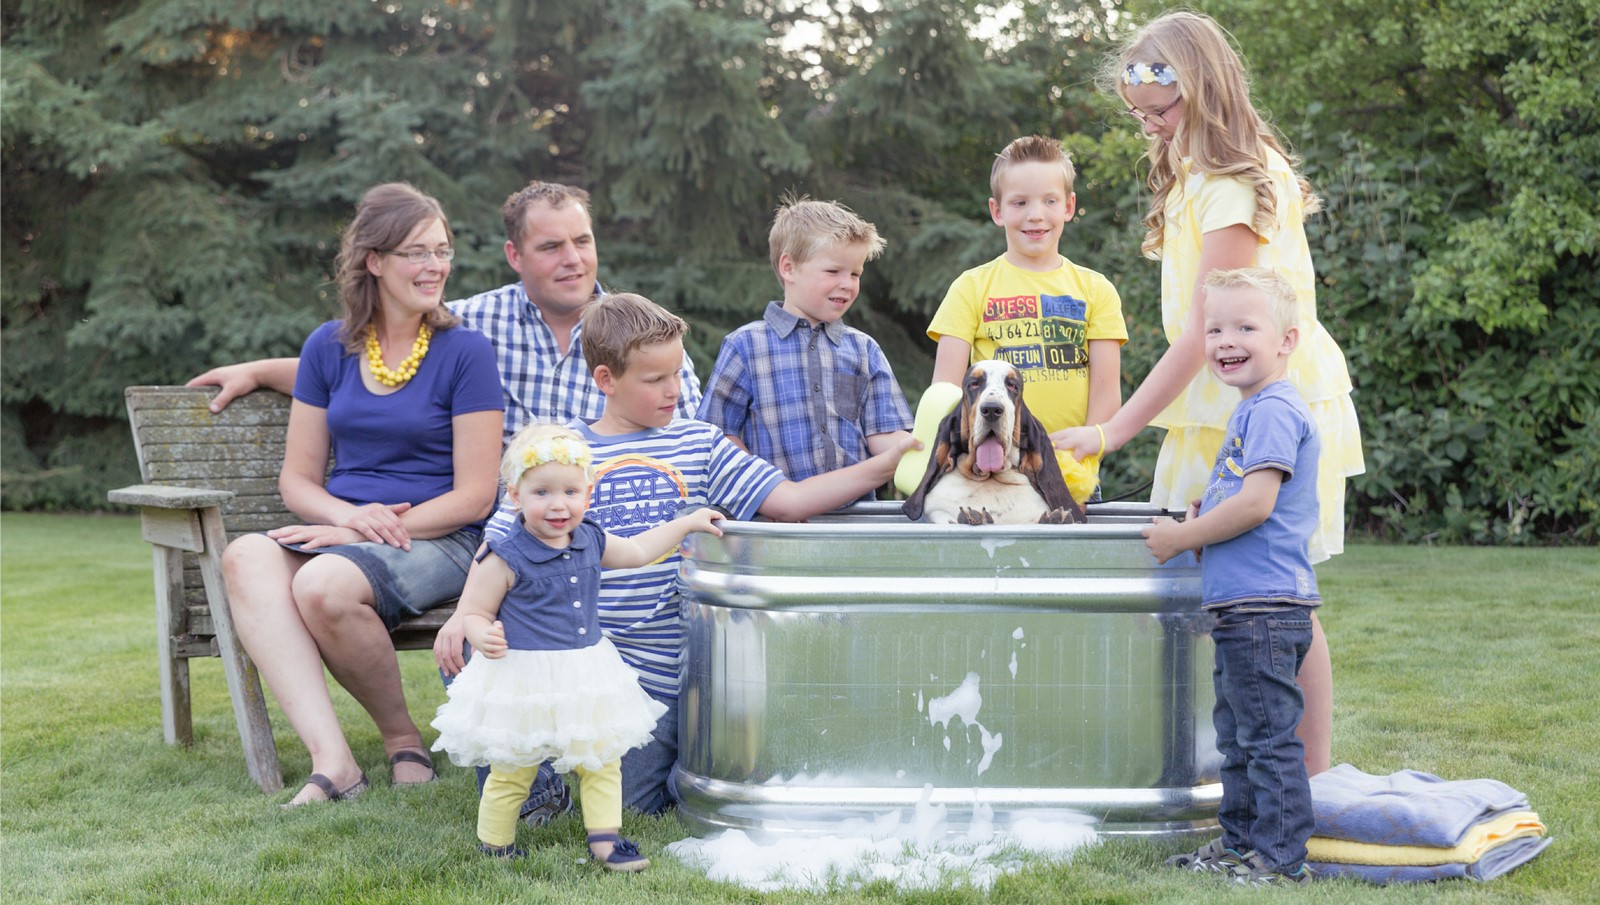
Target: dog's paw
column 974, row 517
column 1060, row 517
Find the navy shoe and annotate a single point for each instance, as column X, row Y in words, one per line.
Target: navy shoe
column 624, row 853
column 503, row 852
column 548, row 799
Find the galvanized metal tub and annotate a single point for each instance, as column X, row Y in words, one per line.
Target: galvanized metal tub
column 820, row 657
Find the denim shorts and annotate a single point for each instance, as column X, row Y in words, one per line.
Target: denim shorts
column 406, row 584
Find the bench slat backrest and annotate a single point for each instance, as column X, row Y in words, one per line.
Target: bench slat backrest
column 240, row 449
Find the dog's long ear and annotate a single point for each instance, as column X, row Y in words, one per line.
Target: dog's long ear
column 1038, row 462
column 947, row 444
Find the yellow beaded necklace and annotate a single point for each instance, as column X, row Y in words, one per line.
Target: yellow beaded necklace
column 407, row 369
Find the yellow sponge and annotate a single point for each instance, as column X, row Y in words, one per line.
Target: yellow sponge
column 936, row 402
column 1081, row 477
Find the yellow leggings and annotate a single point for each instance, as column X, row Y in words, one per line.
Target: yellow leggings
column 599, row 791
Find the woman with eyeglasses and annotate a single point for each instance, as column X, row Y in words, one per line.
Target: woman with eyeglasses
column 410, row 407
column 1226, row 194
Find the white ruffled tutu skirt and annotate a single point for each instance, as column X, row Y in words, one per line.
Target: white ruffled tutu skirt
column 576, row 707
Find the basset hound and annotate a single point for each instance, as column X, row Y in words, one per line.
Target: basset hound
column 992, row 461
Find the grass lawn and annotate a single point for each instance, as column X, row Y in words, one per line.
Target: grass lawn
column 1464, row 662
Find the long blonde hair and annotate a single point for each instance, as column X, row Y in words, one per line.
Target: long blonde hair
column 1220, row 129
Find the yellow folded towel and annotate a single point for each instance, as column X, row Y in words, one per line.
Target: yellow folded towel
column 1474, row 842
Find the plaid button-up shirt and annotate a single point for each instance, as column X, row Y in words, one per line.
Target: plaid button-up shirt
column 803, row 397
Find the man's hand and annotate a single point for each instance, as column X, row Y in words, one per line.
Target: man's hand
column 447, row 645
column 235, row 381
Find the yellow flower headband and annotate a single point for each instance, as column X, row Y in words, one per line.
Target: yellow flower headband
column 557, row 449
column 542, row 444
column 1149, row 74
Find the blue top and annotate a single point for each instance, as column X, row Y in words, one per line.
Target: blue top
column 552, row 605
column 1267, row 567
column 396, row 447
column 804, row 397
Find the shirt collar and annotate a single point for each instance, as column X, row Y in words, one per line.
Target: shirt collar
column 533, row 310
column 538, row 551
column 784, row 323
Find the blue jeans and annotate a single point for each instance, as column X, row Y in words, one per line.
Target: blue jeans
column 647, row 772
column 1266, row 796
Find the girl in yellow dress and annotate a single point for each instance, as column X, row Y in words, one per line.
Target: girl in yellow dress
column 1226, row 194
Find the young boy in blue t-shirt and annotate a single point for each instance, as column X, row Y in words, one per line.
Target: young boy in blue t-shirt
column 1251, row 529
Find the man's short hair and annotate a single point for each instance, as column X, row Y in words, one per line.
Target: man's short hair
column 802, row 228
column 1283, row 303
column 1031, row 149
column 615, row 325
column 553, row 194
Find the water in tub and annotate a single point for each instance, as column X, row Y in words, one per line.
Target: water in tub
column 912, row 851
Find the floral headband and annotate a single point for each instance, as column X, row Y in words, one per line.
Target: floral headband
column 522, row 458
column 1149, row 74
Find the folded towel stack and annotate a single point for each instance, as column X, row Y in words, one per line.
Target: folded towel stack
column 1413, row 827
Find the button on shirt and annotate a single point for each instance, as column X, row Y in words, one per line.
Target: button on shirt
column 553, row 604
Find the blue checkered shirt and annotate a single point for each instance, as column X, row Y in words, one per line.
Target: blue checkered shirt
column 803, row 397
column 540, row 383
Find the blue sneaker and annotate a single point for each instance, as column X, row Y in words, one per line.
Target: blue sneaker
column 1251, row 870
column 1213, row 857
column 548, row 799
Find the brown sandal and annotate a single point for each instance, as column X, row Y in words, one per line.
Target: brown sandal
column 350, row 793
column 409, row 756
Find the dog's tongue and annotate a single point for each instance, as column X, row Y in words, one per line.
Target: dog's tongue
column 990, row 455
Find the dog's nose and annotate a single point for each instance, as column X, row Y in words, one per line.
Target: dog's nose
column 991, row 410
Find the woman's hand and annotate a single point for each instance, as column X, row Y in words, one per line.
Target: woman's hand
column 311, row 537
column 380, row 524
column 1080, row 441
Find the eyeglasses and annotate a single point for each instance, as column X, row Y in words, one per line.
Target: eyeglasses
column 1158, row 117
column 421, row 255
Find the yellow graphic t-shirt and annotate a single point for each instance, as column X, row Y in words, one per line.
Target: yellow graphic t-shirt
column 1040, row 322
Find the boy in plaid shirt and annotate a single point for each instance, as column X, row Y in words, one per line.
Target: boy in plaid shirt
column 798, row 387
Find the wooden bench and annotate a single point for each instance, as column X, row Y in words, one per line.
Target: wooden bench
column 208, row 479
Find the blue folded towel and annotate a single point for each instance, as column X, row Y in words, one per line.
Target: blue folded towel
column 1493, row 863
column 1405, row 808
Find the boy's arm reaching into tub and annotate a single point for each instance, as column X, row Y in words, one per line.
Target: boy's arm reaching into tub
column 795, row 501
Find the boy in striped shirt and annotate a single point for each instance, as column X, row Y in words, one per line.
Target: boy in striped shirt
column 649, row 466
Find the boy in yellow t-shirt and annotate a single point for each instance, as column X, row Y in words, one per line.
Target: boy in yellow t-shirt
column 1058, row 323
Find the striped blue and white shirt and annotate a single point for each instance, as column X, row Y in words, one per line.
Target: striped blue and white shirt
column 540, row 383
column 641, row 480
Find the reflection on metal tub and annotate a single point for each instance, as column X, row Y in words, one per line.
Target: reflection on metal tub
column 860, row 663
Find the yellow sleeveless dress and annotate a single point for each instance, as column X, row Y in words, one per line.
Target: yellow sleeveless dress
column 1196, row 419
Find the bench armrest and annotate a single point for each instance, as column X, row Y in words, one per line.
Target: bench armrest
column 165, row 496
